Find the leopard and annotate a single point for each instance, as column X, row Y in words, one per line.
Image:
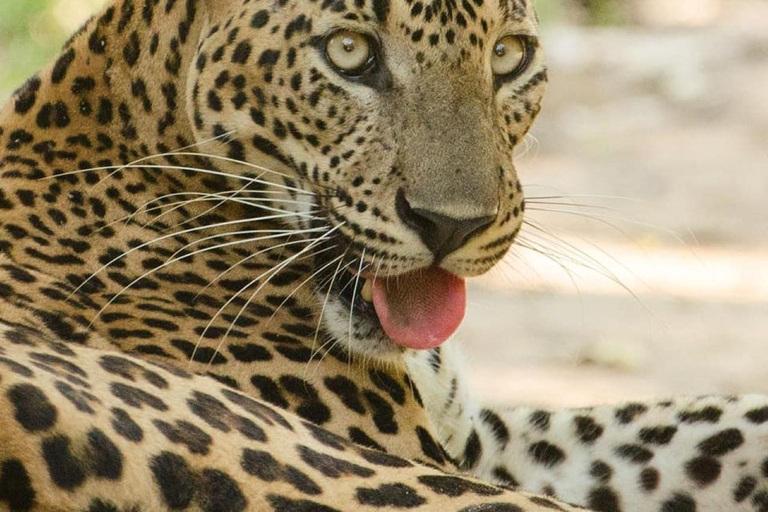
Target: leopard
column 234, row 240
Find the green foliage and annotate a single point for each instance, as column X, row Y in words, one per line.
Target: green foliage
column 29, row 36
column 551, row 11
column 590, row 12
column 603, row 12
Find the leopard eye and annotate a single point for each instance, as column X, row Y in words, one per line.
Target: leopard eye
column 509, row 55
column 351, row 53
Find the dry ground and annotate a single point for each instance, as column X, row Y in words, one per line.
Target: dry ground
column 674, row 122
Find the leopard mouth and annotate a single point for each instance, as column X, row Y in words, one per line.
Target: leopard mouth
column 418, row 310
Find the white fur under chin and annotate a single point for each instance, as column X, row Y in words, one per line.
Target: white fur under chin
column 368, row 342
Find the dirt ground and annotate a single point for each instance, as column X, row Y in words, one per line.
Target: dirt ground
column 658, row 140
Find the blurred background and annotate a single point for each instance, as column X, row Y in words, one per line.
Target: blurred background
column 643, row 271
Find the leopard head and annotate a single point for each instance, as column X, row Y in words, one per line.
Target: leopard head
column 389, row 127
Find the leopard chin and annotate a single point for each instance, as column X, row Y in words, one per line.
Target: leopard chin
column 374, row 315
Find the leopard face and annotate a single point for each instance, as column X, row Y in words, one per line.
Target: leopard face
column 389, row 126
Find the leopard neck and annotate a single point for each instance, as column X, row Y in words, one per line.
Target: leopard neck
column 123, row 75
column 101, row 123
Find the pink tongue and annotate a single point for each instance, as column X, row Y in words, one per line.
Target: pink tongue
column 422, row 309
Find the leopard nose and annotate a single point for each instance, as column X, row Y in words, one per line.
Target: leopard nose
column 440, row 233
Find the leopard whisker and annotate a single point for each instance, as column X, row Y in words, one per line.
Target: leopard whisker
column 182, row 168
column 529, row 141
column 144, row 208
column 327, row 279
column 208, row 211
column 272, row 272
column 561, row 249
column 352, row 304
column 331, row 342
column 225, row 197
column 605, row 219
column 238, row 192
column 173, row 260
column 149, row 157
column 583, row 196
column 246, row 164
column 609, row 256
column 183, row 152
column 603, row 252
column 368, row 359
column 170, row 235
column 504, row 266
column 348, row 283
column 545, row 251
column 312, row 276
column 273, row 233
column 216, row 138
column 241, row 192
column 587, row 261
column 250, row 256
column 322, row 309
column 251, row 283
column 567, row 204
column 378, row 268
